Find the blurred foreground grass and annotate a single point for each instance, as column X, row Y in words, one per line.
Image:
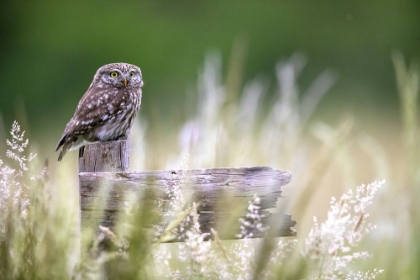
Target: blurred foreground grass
column 40, row 236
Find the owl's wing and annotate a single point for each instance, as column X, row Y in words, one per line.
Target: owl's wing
column 96, row 106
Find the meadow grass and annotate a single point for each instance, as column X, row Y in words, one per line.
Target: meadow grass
column 40, row 234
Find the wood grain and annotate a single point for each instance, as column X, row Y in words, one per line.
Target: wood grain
column 110, row 156
column 222, row 194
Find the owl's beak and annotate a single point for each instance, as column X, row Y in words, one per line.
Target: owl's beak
column 125, row 82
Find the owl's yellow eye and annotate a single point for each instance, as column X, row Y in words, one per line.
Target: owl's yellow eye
column 114, row 74
column 132, row 73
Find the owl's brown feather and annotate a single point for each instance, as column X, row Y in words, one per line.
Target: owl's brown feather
column 106, row 111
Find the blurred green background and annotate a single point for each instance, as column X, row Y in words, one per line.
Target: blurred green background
column 51, row 50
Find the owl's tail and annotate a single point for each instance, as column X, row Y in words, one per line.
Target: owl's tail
column 69, row 144
column 64, row 145
column 64, row 150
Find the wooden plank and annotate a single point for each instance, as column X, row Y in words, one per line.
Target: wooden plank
column 219, row 192
column 245, row 181
column 222, row 194
column 205, row 204
column 207, row 189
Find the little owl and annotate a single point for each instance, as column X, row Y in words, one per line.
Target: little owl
column 107, row 110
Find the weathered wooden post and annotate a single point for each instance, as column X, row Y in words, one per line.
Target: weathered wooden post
column 108, row 162
column 105, row 157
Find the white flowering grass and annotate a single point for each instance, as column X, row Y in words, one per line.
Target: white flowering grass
column 13, row 183
column 240, row 124
column 330, row 250
column 330, row 245
column 40, row 246
column 253, row 219
column 30, row 218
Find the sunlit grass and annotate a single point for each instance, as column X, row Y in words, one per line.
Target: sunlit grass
column 40, row 231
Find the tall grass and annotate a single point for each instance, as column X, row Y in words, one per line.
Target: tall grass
column 40, row 235
column 408, row 179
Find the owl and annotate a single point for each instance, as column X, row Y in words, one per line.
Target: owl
column 107, row 110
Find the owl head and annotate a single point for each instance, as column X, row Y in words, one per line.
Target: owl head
column 119, row 75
